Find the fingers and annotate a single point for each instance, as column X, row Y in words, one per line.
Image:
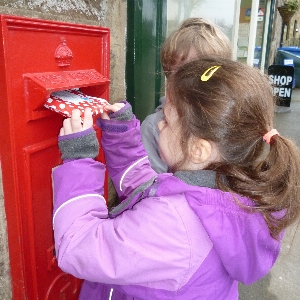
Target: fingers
column 114, row 107
column 111, row 107
column 105, row 116
column 67, row 128
column 62, row 132
column 117, row 106
column 87, row 119
column 76, row 121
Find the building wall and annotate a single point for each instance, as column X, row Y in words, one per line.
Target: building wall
column 5, row 288
column 291, row 36
column 276, row 34
column 112, row 14
column 291, row 32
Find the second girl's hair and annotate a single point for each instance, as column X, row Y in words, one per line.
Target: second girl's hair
column 195, row 38
column 234, row 109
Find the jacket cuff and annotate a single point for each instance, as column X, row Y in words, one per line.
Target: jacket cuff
column 83, row 144
column 123, row 114
column 120, row 121
column 75, row 135
column 115, row 125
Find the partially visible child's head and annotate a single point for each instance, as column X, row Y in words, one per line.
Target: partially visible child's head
column 195, row 38
column 231, row 106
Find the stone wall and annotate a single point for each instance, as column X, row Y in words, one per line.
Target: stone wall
column 276, row 34
column 277, row 29
column 291, row 34
column 105, row 13
column 5, row 288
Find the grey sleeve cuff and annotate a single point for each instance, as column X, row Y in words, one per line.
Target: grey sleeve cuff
column 124, row 114
column 83, row 144
column 116, row 122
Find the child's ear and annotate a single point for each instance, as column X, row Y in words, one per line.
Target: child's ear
column 200, row 151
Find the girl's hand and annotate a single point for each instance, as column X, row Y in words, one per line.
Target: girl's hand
column 78, row 139
column 113, row 108
column 74, row 124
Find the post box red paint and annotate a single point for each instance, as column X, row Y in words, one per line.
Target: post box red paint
column 39, row 57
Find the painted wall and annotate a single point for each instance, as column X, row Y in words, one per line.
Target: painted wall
column 112, row 14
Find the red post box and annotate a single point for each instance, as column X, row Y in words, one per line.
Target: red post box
column 39, row 57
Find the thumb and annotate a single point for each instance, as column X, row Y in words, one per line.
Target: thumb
column 105, row 116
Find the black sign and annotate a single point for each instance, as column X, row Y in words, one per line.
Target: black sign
column 281, row 78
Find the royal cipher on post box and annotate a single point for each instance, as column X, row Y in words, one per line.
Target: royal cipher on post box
column 39, row 57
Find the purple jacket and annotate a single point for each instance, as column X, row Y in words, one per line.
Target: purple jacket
column 172, row 237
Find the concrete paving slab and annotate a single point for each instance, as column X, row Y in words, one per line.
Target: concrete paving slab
column 283, row 282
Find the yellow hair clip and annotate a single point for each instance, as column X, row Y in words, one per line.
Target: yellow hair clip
column 211, row 70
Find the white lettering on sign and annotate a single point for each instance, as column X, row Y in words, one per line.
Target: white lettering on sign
column 288, row 62
column 280, row 80
column 282, row 92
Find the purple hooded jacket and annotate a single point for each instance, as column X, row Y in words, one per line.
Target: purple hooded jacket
column 173, row 236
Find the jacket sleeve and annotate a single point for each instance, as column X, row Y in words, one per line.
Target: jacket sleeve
column 127, row 161
column 135, row 248
column 80, row 181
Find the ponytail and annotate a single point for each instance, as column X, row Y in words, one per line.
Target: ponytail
column 273, row 184
column 279, row 173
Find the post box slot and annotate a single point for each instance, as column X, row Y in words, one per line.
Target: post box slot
column 39, row 86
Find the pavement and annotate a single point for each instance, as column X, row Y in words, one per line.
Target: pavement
column 283, row 282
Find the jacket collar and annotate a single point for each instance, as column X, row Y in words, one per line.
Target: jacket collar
column 204, row 178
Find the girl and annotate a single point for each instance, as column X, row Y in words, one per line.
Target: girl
column 193, row 234
column 195, row 38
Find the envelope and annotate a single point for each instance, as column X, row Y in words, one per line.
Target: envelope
column 65, row 101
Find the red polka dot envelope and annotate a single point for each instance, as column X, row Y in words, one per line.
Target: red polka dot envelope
column 65, row 101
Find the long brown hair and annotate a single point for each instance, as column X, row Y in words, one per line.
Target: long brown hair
column 234, row 109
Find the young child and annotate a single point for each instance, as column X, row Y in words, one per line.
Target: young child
column 194, row 234
column 195, row 38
